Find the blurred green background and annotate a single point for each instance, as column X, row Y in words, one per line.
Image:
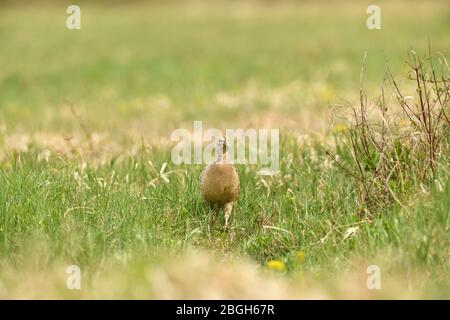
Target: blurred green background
column 150, row 66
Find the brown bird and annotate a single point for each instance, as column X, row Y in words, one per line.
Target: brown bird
column 219, row 182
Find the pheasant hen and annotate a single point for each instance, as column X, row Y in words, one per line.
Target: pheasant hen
column 219, row 182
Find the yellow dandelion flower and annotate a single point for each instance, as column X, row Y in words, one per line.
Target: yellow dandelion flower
column 299, row 257
column 403, row 123
column 277, row 265
column 339, row 128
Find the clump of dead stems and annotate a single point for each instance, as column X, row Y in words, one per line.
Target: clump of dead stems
column 402, row 144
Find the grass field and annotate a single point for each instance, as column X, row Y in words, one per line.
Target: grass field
column 86, row 176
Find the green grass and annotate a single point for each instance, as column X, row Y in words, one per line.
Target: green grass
column 133, row 78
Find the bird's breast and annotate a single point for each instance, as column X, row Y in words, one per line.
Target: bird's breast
column 220, row 184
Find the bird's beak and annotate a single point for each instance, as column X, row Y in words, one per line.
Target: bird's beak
column 225, row 145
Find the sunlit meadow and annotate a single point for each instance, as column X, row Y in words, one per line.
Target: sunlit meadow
column 86, row 176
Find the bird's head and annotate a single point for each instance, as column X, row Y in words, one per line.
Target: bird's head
column 222, row 145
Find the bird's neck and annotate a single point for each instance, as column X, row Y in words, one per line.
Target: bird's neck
column 222, row 158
